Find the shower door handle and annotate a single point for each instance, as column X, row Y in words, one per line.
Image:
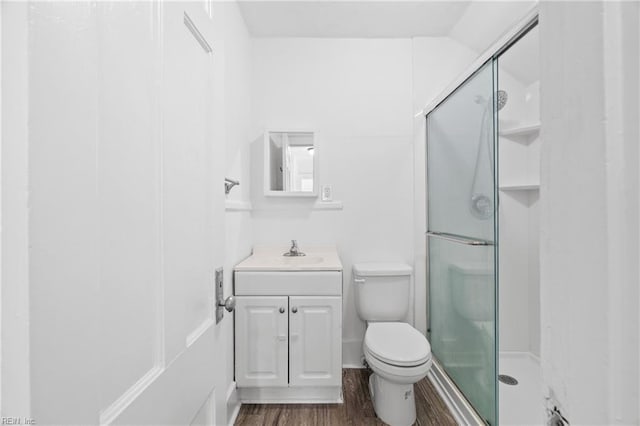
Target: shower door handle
column 458, row 239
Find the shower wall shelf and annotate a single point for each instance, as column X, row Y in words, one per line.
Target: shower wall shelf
column 520, row 187
column 525, row 131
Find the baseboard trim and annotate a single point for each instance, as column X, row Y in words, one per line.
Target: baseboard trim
column 291, row 395
column 352, row 354
column 460, row 408
column 353, row 366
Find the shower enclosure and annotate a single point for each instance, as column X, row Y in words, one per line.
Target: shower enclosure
column 462, row 231
column 462, row 235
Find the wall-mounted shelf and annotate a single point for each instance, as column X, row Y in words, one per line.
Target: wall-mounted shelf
column 525, row 131
column 520, row 187
column 237, row 206
column 328, row 205
column 317, row 205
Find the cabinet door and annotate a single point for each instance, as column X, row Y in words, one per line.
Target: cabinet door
column 315, row 334
column 261, row 341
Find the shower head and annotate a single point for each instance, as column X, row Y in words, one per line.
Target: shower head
column 502, row 98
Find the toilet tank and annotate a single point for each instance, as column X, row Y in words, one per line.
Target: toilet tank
column 382, row 290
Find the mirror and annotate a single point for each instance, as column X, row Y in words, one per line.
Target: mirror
column 290, row 164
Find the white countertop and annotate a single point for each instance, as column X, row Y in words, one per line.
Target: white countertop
column 270, row 258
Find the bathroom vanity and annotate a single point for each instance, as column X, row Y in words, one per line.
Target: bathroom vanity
column 288, row 327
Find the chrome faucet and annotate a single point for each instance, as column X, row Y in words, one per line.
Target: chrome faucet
column 294, row 251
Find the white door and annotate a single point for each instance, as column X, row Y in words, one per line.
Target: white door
column 125, row 212
column 185, row 202
column 261, row 341
column 315, row 333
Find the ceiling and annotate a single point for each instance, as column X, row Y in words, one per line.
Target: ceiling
column 474, row 23
column 351, row 19
column 485, row 21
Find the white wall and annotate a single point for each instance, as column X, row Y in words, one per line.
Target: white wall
column 589, row 209
column 357, row 95
column 519, row 163
column 128, row 118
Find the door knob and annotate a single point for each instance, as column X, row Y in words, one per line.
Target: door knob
column 282, row 310
column 229, row 303
column 294, row 309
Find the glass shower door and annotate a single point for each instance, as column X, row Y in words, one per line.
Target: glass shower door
column 462, row 199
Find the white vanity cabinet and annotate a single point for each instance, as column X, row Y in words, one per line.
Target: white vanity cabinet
column 288, row 336
column 315, row 337
column 262, row 341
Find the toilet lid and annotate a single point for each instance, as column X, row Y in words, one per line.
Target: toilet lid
column 397, row 343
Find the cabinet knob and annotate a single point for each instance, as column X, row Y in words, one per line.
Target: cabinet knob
column 294, row 309
column 282, row 310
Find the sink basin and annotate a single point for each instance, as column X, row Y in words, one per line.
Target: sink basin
column 271, row 259
column 300, row 260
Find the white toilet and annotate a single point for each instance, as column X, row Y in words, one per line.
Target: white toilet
column 398, row 354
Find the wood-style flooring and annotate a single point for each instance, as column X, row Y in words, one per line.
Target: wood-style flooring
column 356, row 410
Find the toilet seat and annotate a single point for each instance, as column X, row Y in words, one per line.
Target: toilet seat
column 397, row 344
column 395, row 373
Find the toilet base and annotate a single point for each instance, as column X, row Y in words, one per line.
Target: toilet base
column 394, row 403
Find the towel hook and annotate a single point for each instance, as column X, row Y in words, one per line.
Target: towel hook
column 229, row 183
